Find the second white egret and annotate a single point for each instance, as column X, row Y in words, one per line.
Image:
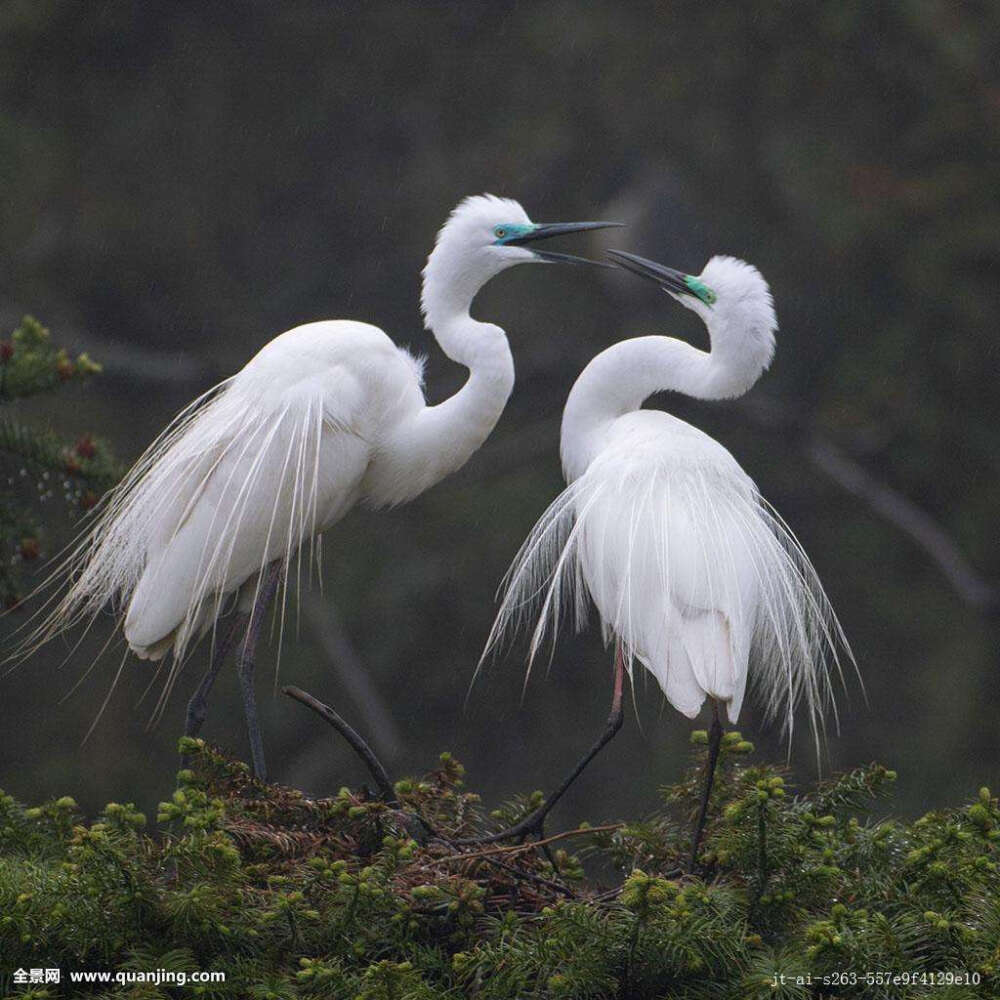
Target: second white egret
column 693, row 573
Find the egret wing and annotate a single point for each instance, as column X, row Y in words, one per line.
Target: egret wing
column 269, row 488
column 241, row 477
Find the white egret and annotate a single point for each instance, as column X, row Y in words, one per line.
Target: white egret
column 325, row 416
column 692, row 572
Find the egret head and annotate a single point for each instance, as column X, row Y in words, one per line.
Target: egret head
column 483, row 236
column 730, row 295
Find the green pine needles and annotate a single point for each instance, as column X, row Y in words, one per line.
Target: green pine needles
column 35, row 465
column 349, row 897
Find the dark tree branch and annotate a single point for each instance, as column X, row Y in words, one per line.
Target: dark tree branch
column 358, row 745
column 892, row 506
column 381, row 778
column 904, row 515
column 322, row 617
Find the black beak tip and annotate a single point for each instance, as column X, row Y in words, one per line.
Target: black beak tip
column 666, row 277
column 551, row 257
column 623, row 256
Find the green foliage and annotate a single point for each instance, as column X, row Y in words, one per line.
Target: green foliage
column 349, row 897
column 31, row 364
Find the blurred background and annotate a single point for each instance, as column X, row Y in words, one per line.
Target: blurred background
column 182, row 182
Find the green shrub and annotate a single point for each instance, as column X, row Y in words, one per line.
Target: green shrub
column 348, row 897
column 35, row 465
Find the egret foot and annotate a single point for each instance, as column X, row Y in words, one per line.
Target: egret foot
column 534, row 823
column 714, row 742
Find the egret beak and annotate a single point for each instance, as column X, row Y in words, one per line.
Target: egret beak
column 546, row 230
column 666, row 277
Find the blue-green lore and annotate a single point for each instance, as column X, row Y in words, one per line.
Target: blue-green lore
column 514, row 231
column 700, row 289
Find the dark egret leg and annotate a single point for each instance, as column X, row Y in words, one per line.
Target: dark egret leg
column 714, row 742
column 247, row 662
column 535, row 822
column 221, row 648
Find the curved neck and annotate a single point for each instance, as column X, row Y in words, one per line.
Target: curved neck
column 460, row 424
column 622, row 377
column 437, row 440
column 464, row 421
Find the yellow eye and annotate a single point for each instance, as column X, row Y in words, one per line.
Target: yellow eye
column 499, row 232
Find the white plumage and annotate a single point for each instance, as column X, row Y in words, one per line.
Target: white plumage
column 280, row 454
column 325, row 416
column 244, row 476
column 690, row 570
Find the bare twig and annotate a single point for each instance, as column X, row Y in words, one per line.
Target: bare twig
column 892, row 506
column 905, row 515
column 358, row 745
column 322, row 617
column 529, row 846
column 531, row 877
column 388, row 793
